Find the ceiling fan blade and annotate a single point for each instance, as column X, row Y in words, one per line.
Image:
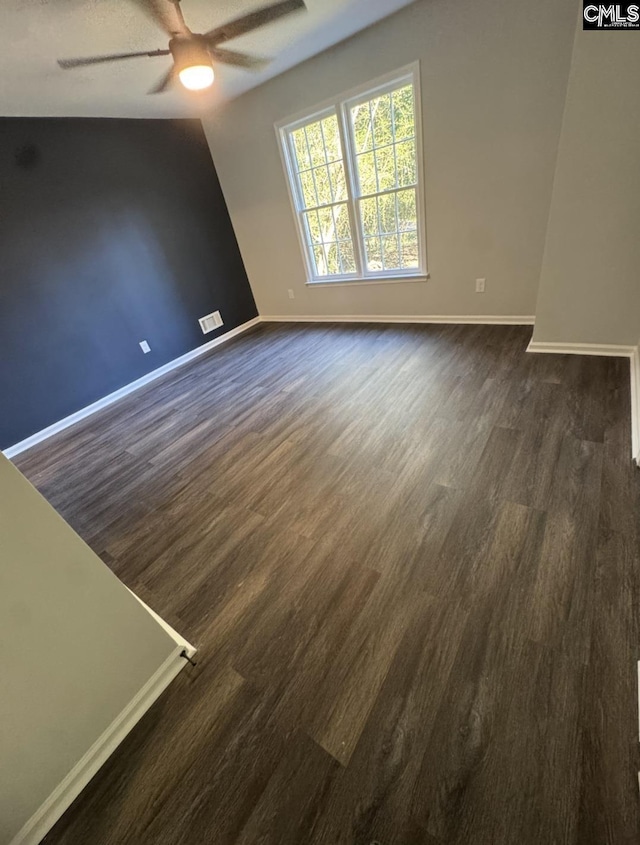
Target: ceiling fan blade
column 165, row 82
column 229, row 57
column 66, row 64
column 247, row 23
column 166, row 14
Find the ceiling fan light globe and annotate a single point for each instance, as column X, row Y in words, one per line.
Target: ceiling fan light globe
column 197, row 77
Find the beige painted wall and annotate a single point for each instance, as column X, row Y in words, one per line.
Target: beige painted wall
column 75, row 648
column 494, row 76
column 590, row 282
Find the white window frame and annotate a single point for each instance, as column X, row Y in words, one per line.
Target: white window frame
column 340, row 106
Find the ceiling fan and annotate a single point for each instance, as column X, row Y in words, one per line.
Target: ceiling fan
column 194, row 54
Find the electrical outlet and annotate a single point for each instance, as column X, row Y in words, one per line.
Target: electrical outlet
column 291, row 294
column 480, row 285
column 145, row 346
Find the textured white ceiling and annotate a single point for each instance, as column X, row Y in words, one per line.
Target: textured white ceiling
column 34, row 33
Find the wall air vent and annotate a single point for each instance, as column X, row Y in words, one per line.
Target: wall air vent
column 210, row 322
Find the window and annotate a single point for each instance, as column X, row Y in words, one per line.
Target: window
column 355, row 177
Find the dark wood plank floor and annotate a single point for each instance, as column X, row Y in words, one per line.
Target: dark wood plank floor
column 409, row 558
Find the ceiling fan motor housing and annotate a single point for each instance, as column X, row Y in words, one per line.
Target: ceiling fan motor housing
column 189, row 51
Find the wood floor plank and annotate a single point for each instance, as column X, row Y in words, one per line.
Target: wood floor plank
column 360, row 667
column 137, row 782
column 294, row 800
column 542, row 804
column 372, row 797
column 609, row 780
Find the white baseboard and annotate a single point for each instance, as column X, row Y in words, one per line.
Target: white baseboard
column 61, row 798
column 601, row 349
column 612, row 351
column 634, row 362
column 483, row 320
column 185, row 645
column 39, row 436
column 638, row 665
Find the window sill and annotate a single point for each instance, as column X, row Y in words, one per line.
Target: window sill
column 391, row 280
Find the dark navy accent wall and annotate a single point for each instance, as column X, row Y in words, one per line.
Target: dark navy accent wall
column 111, row 232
